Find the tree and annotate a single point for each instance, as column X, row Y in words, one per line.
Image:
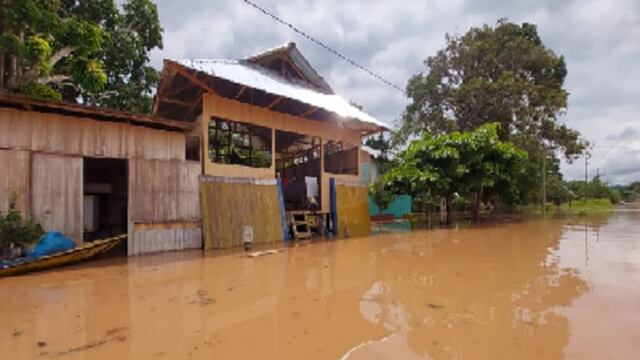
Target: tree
column 380, row 195
column 500, row 73
column 80, row 50
column 459, row 162
column 595, row 189
column 381, row 143
column 558, row 191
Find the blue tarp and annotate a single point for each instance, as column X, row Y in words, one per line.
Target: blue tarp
column 51, row 243
column 283, row 214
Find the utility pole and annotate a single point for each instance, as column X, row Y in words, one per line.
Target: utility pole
column 544, row 180
column 586, row 175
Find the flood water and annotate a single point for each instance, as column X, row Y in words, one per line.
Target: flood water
column 538, row 289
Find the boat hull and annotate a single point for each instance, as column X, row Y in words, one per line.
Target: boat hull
column 72, row 256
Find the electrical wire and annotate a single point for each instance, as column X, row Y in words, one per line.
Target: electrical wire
column 323, row 45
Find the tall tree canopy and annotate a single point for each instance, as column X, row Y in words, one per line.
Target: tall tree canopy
column 88, row 50
column 459, row 162
column 502, row 73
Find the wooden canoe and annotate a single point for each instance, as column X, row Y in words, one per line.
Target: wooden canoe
column 77, row 254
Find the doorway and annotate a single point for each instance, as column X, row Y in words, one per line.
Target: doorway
column 105, row 200
column 298, row 165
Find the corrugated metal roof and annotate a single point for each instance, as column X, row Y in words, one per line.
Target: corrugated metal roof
column 247, row 74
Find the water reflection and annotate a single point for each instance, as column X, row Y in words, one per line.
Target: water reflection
column 475, row 293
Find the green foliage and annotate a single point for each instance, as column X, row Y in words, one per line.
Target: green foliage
column 380, row 194
column 16, row 230
column 582, row 207
column 382, row 143
column 88, row 50
column 39, row 90
column 459, row 162
column 502, row 73
column 595, row 189
column 558, row 191
column 631, row 192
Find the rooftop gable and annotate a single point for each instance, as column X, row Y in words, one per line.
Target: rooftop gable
column 289, row 62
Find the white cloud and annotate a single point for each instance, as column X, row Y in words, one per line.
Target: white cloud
column 599, row 38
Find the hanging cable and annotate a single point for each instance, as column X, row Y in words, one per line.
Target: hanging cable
column 323, row 45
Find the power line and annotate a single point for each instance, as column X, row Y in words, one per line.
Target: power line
column 323, row 45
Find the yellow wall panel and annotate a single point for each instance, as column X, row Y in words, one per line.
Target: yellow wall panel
column 353, row 210
column 230, row 203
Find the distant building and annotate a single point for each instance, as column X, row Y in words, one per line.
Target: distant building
column 370, row 171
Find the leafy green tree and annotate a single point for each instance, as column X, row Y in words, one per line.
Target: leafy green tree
column 558, row 191
column 595, row 189
column 381, row 143
column 631, row 192
column 500, row 73
column 459, row 162
column 87, row 50
column 381, row 195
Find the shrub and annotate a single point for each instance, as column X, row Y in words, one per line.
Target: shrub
column 16, row 231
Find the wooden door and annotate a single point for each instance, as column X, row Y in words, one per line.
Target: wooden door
column 56, row 186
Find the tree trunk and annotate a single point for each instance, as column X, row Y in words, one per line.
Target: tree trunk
column 474, row 205
column 448, row 209
column 1, row 71
column 443, row 211
column 12, row 72
column 476, row 200
column 2, row 52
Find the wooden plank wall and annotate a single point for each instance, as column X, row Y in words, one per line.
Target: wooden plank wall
column 228, row 204
column 164, row 205
column 15, row 168
column 52, row 133
column 56, row 200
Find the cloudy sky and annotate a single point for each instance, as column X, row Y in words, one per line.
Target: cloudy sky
column 599, row 38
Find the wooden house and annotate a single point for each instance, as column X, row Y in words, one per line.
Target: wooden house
column 233, row 148
column 92, row 173
column 268, row 118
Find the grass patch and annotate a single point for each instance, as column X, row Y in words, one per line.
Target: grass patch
column 582, row 207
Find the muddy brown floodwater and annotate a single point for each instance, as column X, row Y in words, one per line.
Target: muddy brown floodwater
column 539, row 289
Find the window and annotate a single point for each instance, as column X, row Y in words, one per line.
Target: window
column 340, row 158
column 232, row 142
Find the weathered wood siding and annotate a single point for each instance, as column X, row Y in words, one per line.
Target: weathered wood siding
column 164, row 205
column 230, row 203
column 15, row 169
column 56, row 199
column 52, row 133
column 149, row 238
